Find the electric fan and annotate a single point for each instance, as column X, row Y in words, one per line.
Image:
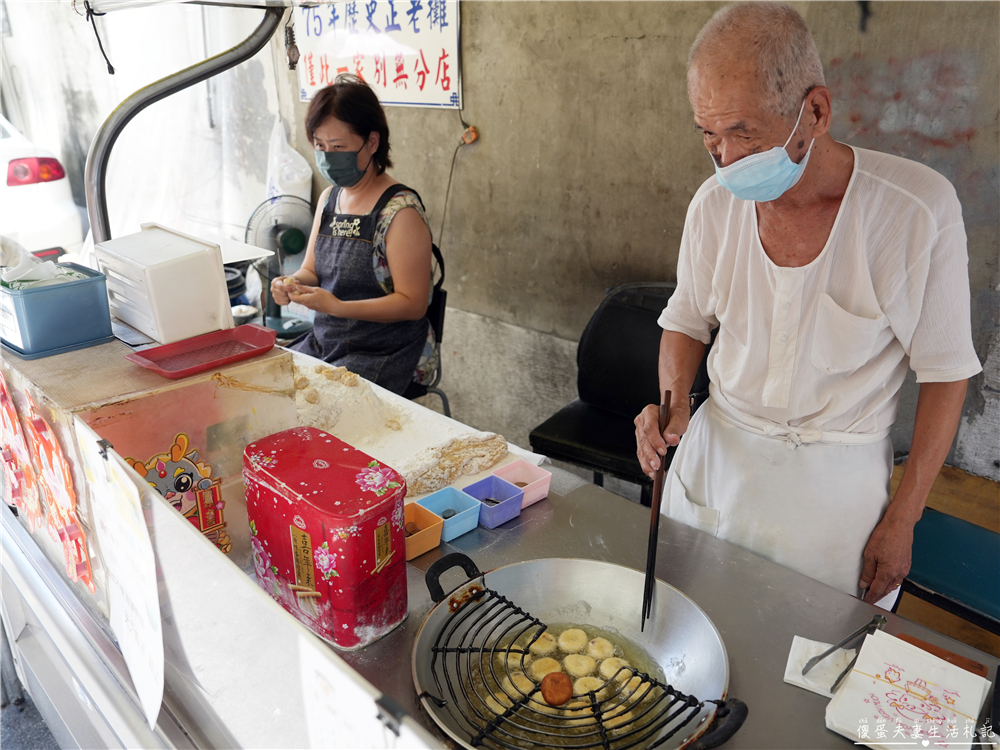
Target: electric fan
column 281, row 224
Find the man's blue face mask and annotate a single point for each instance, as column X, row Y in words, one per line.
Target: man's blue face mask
column 765, row 176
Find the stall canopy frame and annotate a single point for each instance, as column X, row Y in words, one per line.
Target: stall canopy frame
column 95, row 173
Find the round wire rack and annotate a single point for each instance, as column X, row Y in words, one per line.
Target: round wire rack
column 487, row 696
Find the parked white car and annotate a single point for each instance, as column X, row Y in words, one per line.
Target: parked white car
column 36, row 203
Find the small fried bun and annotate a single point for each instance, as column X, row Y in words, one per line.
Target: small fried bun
column 557, row 688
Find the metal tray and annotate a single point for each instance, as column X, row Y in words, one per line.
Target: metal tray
column 191, row 356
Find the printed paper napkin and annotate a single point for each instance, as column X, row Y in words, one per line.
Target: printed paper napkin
column 899, row 694
column 820, row 677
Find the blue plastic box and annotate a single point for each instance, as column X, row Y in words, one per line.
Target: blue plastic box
column 508, row 499
column 466, row 509
column 47, row 320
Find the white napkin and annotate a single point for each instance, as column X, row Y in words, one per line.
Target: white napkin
column 29, row 269
column 821, row 677
column 27, row 272
column 898, row 693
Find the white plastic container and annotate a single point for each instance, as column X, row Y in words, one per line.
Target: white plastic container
column 167, row 284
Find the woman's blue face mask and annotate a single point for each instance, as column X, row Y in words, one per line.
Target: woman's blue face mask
column 765, row 176
column 341, row 167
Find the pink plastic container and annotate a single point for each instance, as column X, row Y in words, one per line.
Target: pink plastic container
column 534, row 479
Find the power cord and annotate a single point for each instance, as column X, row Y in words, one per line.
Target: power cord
column 469, row 135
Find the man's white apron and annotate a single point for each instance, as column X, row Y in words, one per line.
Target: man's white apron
column 806, row 499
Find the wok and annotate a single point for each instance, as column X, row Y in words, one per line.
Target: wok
column 679, row 637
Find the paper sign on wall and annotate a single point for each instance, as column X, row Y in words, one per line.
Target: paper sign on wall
column 131, row 569
column 406, row 50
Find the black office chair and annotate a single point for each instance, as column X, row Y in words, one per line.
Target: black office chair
column 435, row 314
column 616, row 378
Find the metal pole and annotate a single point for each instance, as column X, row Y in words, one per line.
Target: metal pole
column 100, row 150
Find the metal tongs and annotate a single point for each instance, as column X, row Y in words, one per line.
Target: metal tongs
column 654, row 523
column 876, row 623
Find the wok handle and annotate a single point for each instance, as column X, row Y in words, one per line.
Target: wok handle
column 729, row 718
column 453, row 560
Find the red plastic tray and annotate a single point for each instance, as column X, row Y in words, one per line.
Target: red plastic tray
column 194, row 355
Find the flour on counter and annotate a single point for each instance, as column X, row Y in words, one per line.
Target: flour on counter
column 431, row 451
column 438, row 466
column 337, row 401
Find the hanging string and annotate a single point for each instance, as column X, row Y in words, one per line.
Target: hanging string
column 90, row 19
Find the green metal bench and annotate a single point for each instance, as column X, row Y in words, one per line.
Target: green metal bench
column 956, row 566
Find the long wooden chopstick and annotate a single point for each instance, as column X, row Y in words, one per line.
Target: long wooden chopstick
column 654, row 521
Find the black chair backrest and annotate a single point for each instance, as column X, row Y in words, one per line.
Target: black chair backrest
column 618, row 351
column 439, row 298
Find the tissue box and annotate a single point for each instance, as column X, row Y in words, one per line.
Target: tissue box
column 52, row 319
column 166, row 284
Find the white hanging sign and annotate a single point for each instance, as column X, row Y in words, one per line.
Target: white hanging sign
column 128, row 558
column 406, row 50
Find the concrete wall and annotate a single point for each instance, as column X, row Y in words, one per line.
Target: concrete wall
column 587, row 161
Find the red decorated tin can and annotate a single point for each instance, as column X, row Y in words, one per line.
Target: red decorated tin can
column 327, row 534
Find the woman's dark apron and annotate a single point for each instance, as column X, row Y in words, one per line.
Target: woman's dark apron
column 384, row 353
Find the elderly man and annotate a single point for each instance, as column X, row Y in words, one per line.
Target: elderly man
column 828, row 270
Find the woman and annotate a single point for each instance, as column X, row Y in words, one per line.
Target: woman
column 367, row 270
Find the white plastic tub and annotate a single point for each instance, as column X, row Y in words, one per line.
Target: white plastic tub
column 169, row 285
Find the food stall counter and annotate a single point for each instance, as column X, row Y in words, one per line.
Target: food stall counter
column 240, row 671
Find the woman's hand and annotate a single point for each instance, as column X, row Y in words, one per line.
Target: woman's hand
column 281, row 288
column 316, row 298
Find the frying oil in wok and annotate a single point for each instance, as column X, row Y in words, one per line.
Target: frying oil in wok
column 494, row 685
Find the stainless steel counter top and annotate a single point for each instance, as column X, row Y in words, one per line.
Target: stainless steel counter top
column 757, row 605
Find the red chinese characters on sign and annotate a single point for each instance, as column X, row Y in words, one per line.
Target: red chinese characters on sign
column 401, row 76
column 442, row 72
column 380, row 74
column 310, row 69
column 404, row 30
column 421, row 70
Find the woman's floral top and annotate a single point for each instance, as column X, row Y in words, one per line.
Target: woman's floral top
column 428, row 364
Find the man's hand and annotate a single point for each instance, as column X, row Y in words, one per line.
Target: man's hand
column 888, row 552
column 887, row 557
column 680, row 356
column 651, row 446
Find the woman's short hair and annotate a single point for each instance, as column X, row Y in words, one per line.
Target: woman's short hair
column 352, row 101
column 788, row 64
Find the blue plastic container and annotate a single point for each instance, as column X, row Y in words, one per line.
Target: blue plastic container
column 466, row 510
column 47, row 320
column 507, row 496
